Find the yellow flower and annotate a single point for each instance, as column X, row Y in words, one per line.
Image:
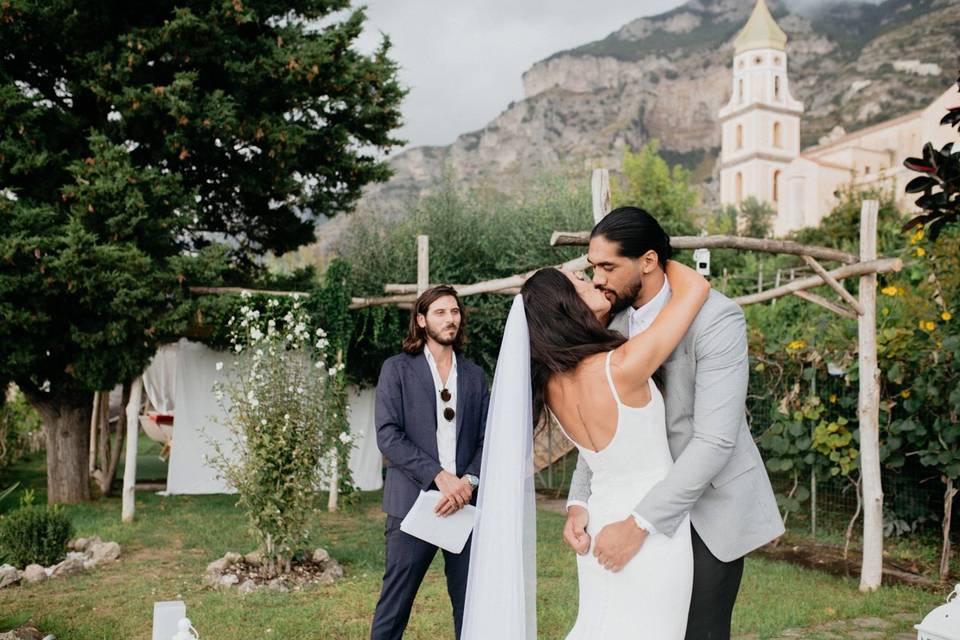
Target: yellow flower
column 833, row 398
column 905, row 393
column 917, row 237
column 796, row 344
column 946, row 316
column 889, row 291
column 919, row 252
column 930, row 326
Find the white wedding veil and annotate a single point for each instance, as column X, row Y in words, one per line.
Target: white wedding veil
column 501, row 600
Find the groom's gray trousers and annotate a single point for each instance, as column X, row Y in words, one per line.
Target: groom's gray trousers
column 406, row 421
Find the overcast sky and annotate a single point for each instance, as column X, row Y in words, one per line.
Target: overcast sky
column 462, row 60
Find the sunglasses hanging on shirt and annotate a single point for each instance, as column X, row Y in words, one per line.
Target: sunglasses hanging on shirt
column 448, row 412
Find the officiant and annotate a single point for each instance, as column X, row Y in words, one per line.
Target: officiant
column 430, row 417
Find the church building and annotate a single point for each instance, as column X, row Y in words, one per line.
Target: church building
column 760, row 152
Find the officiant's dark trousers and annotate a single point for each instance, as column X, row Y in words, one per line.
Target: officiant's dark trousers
column 407, row 561
column 715, row 587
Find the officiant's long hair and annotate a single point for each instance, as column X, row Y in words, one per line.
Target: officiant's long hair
column 563, row 331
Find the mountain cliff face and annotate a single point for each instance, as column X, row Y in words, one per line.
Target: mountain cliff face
column 666, row 77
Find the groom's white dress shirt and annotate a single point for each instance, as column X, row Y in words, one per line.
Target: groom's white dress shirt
column 446, row 429
column 640, row 320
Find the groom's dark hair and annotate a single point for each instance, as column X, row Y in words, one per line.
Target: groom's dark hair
column 636, row 231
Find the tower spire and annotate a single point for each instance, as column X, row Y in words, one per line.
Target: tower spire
column 761, row 31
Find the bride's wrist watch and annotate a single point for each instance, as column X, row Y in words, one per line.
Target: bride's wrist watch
column 472, row 479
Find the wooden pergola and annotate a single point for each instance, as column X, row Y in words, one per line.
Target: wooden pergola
column 862, row 308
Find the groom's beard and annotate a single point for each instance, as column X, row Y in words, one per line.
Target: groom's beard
column 444, row 335
column 624, row 299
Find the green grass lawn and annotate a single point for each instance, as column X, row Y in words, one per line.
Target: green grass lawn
column 168, row 546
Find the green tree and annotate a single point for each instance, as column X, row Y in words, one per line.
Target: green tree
column 132, row 131
column 648, row 182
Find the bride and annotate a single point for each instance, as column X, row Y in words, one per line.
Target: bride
column 556, row 355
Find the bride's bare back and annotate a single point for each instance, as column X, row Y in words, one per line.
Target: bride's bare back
column 582, row 402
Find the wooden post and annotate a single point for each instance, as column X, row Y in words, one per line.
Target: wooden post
column 868, row 411
column 130, row 462
column 760, row 278
column 776, row 284
column 726, row 277
column 94, row 418
column 333, row 499
column 600, row 189
column 423, row 264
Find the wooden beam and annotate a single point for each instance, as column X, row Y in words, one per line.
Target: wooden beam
column 130, row 462
column 883, row 265
column 582, row 238
column 826, row 304
column 239, row 290
column 868, row 407
column 488, row 286
column 94, row 418
column 836, row 286
column 423, row 264
column 600, row 191
column 412, row 288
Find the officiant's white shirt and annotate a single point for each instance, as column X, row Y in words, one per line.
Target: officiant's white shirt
column 640, row 320
column 446, row 429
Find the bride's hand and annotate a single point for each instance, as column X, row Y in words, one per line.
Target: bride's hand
column 575, row 530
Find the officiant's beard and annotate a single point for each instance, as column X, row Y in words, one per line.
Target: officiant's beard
column 444, row 336
column 624, row 299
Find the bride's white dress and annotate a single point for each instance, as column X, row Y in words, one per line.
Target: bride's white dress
column 648, row 598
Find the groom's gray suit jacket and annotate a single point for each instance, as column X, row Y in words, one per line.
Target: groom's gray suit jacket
column 718, row 476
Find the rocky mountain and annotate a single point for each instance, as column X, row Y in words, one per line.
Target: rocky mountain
column 666, row 77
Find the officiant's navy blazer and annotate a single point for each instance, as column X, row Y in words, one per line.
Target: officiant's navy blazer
column 406, row 420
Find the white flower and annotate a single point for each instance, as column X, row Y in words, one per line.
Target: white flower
column 114, row 116
column 300, row 390
column 318, row 364
column 238, row 348
column 332, row 371
column 286, row 416
column 245, row 294
column 345, row 437
column 255, row 334
column 254, row 403
column 219, row 366
column 263, row 421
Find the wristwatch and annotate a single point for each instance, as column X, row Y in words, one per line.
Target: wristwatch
column 473, row 480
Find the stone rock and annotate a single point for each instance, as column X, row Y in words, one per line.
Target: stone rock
column 232, row 557
column 27, row 631
column 278, row 584
column 77, row 555
column 80, row 544
column 332, row 573
column 872, row 623
column 8, row 575
column 68, row 567
column 218, row 566
column 320, row 556
column 34, row 573
column 90, row 542
column 104, row 551
column 227, row 581
column 90, row 564
column 254, row 558
column 247, row 586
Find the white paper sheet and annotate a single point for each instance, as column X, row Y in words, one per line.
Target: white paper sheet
column 449, row 533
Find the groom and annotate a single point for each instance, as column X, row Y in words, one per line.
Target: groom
column 430, row 416
column 718, row 477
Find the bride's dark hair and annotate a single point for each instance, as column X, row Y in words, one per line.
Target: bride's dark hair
column 563, row 330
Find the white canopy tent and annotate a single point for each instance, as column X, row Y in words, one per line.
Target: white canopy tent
column 180, row 380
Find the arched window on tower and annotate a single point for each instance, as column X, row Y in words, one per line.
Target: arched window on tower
column 739, row 136
column 777, row 135
column 740, row 90
column 776, row 88
column 776, row 191
column 739, row 191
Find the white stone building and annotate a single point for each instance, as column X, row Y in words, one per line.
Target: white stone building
column 760, row 149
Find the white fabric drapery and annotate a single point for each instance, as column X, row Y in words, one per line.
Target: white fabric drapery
column 185, row 373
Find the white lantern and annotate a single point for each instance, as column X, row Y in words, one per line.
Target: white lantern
column 701, row 260
column 166, row 615
column 943, row 623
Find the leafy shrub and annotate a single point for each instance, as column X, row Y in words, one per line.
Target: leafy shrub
column 34, row 534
